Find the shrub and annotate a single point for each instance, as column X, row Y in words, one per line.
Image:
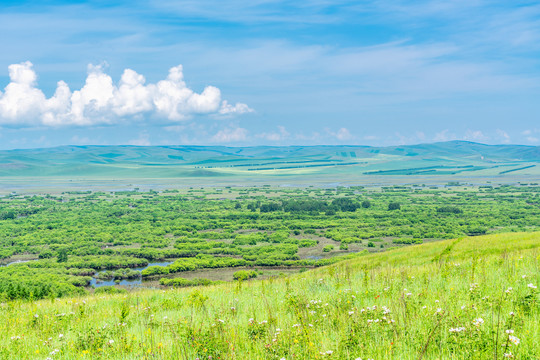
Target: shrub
column 394, row 206
column 244, row 274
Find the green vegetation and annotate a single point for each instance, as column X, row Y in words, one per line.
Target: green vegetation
column 470, row 297
column 70, row 241
column 334, row 163
column 244, row 275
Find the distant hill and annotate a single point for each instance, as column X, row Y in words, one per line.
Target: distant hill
column 445, row 158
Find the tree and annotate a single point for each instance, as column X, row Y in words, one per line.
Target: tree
column 394, row 206
column 62, row 255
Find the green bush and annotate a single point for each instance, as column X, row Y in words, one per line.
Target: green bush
column 244, row 274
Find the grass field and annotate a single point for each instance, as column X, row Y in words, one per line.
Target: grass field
column 468, row 298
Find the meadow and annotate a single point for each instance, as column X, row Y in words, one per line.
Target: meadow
column 71, row 243
column 464, row 298
column 393, row 272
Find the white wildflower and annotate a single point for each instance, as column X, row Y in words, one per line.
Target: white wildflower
column 514, row 340
column 478, row 322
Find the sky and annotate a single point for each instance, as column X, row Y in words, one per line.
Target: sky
column 268, row 72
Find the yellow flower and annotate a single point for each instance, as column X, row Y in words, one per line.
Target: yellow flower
column 295, row 341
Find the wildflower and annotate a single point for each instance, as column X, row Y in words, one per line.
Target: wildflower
column 111, row 342
column 512, row 313
column 458, row 329
column 329, row 352
column 508, row 290
column 514, row 340
column 478, row 322
column 351, row 312
column 509, row 331
column 523, row 276
column 531, row 286
column 508, row 355
column 36, row 316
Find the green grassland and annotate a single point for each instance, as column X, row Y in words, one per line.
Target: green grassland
column 260, row 253
column 70, row 243
column 464, row 298
column 455, row 158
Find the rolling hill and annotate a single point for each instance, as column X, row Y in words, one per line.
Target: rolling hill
column 351, row 164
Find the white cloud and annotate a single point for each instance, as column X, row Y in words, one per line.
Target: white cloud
column 142, row 140
column 444, row 135
column 343, row 134
column 100, row 101
column 475, row 135
column 230, row 135
column 80, row 140
column 503, row 136
column 281, row 135
column 238, row 108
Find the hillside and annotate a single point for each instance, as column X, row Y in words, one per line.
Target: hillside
column 454, row 158
column 473, row 297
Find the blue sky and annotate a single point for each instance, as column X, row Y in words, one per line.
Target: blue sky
column 269, row 72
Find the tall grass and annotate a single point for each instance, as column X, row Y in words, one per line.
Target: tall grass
column 470, row 298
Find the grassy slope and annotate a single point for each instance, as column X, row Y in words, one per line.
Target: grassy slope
column 426, row 288
column 446, row 158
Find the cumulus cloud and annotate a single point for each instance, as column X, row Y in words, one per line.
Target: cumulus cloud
column 275, row 136
column 475, row 135
column 444, row 135
column 101, row 101
column 342, row 134
column 230, row 135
